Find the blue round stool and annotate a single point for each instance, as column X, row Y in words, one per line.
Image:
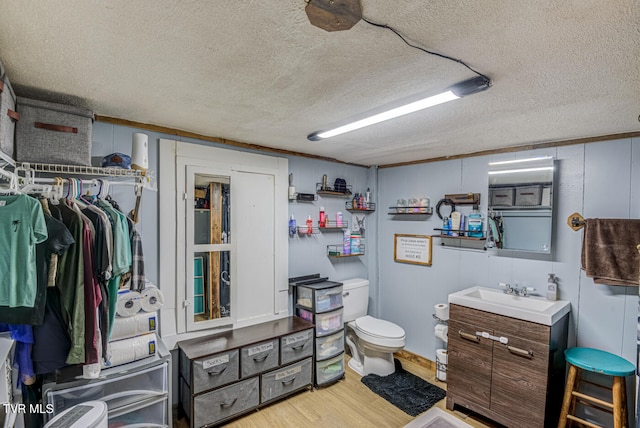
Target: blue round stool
column 597, row 361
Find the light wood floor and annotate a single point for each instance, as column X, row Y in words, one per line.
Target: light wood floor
column 348, row 403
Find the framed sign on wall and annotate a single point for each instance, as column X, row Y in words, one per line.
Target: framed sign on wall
column 413, row 249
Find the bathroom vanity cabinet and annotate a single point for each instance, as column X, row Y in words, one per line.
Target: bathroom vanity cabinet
column 518, row 383
column 227, row 374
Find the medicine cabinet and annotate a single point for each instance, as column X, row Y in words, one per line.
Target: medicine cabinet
column 521, row 205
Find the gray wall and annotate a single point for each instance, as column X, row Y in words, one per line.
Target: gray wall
column 596, row 180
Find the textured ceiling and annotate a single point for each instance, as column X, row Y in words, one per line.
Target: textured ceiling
column 258, row 72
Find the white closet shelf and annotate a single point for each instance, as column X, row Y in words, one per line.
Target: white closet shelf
column 82, row 170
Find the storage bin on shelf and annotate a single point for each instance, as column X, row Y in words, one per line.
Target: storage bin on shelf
column 53, row 133
column 502, row 196
column 528, row 195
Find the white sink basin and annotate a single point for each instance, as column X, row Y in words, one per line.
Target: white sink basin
column 531, row 308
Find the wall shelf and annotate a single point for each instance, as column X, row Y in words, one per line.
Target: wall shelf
column 329, row 190
column 425, row 211
column 336, row 251
column 470, row 242
column 369, row 207
column 332, row 225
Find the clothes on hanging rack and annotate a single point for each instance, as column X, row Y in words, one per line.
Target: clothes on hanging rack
column 69, row 302
column 22, row 226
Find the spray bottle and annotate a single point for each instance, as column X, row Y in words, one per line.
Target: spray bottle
column 292, row 226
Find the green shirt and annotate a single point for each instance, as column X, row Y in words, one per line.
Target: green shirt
column 22, row 226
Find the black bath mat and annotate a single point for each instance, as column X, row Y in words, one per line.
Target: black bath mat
column 404, row 390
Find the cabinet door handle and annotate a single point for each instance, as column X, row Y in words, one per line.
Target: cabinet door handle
column 260, row 359
column 467, row 336
column 228, row 404
column 217, row 372
column 519, row 351
column 288, row 382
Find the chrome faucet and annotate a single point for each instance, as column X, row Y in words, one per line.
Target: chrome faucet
column 508, row 289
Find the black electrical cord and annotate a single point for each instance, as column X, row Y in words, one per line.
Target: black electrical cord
column 442, row 202
column 403, row 38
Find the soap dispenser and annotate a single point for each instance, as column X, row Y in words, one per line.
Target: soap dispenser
column 552, row 287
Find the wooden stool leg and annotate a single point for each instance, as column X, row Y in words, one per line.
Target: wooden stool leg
column 568, row 396
column 619, row 402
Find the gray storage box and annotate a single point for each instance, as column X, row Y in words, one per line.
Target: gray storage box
column 528, row 196
column 501, row 196
column 8, row 114
column 215, row 370
column 259, row 358
column 53, row 133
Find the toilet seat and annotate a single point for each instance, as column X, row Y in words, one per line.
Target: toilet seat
column 379, row 332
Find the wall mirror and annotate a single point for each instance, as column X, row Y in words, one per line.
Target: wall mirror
column 520, row 213
column 211, row 255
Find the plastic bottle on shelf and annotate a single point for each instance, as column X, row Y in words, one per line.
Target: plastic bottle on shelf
column 346, row 242
column 292, row 226
column 474, row 225
column 323, row 218
column 446, row 226
column 309, row 225
column 367, row 198
column 339, row 219
column 355, row 243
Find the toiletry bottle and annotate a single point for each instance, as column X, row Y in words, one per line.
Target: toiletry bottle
column 367, row 198
column 339, row 219
column 346, row 242
column 354, row 202
column 552, row 287
column 446, row 226
column 292, row 226
column 474, row 225
column 323, row 218
column 309, row 225
column 355, row 243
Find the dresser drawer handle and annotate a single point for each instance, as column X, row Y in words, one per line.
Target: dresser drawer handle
column 217, row 372
column 260, row 359
column 228, row 404
column 467, row 336
column 288, row 382
column 298, row 348
column 521, row 352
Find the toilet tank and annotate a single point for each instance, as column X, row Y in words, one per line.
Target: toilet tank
column 355, row 298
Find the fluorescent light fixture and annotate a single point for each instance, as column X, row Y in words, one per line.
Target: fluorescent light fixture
column 541, row 158
column 459, row 90
column 511, row 171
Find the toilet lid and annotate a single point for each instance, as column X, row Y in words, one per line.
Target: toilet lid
column 378, row 327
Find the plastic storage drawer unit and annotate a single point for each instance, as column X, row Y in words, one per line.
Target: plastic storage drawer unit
column 328, row 346
column 330, row 370
column 322, row 300
column 116, row 392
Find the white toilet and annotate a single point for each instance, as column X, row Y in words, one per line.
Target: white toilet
column 372, row 341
